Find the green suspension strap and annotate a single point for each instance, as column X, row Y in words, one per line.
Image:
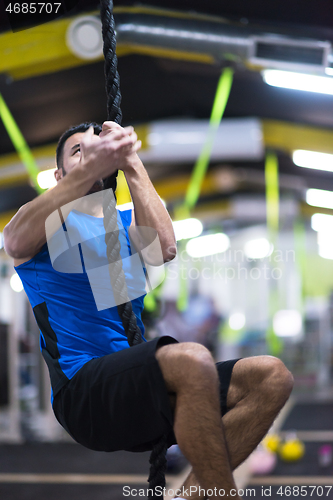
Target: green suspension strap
column 300, row 257
column 272, row 195
column 20, row 144
column 201, row 166
column 274, row 343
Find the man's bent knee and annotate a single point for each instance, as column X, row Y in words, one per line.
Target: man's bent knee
column 185, row 364
column 278, row 377
column 264, row 377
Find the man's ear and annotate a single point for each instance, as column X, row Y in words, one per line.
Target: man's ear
column 58, row 174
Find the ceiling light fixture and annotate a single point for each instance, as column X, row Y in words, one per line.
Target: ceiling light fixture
column 322, row 222
column 258, row 248
column 325, row 243
column 319, row 198
column 287, row 323
column 325, row 251
column 187, row 228
column 298, row 81
column 210, row 244
column 46, row 179
column 237, row 320
column 312, row 159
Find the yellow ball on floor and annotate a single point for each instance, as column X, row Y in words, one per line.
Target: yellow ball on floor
column 292, row 450
column 272, row 442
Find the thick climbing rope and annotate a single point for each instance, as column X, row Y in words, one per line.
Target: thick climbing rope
column 158, row 456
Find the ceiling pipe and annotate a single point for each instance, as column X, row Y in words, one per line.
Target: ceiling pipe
column 213, row 39
column 195, row 37
column 223, row 40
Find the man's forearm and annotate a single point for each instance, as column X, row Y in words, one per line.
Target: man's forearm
column 148, row 208
column 25, row 234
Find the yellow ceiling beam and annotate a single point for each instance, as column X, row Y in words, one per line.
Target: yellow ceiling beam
column 291, row 136
column 37, row 50
column 5, row 218
column 175, row 187
column 43, row 49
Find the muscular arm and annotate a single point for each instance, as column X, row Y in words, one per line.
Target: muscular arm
column 25, row 234
column 149, row 211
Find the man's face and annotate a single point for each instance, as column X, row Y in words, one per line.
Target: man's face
column 71, row 154
column 71, row 158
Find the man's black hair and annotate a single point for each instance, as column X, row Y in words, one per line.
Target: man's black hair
column 111, row 182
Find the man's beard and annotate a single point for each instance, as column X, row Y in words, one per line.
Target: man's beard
column 96, row 187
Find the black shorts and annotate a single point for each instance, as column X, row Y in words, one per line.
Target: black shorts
column 120, row 401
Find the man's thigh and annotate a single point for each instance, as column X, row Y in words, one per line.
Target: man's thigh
column 118, row 401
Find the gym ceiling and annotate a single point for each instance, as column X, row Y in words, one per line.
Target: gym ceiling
column 47, row 88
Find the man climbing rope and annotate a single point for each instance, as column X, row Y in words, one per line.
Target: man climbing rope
column 110, row 397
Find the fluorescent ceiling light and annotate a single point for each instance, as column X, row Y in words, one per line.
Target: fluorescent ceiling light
column 325, row 244
column 312, row 159
column 298, row 81
column 237, row 321
column 16, row 283
column 258, row 248
column 319, row 198
column 326, row 252
column 46, row 179
column 325, row 238
column 187, row 228
column 207, row 245
column 287, row 323
column 322, row 222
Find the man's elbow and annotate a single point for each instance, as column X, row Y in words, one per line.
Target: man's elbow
column 12, row 245
column 11, row 248
column 170, row 252
column 158, row 255
column 8, row 242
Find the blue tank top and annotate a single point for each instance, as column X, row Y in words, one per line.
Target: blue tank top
column 69, row 289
